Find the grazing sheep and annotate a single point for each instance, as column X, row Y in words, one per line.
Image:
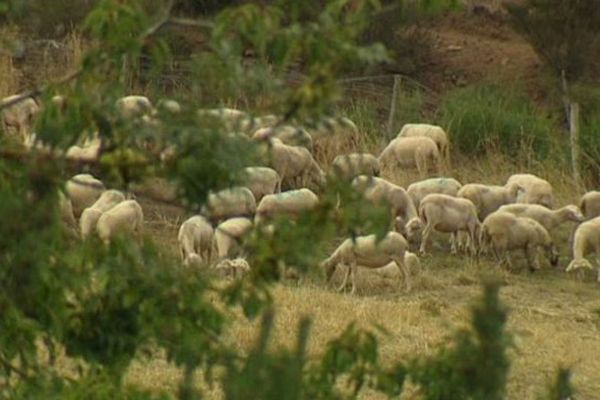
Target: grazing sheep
column 89, row 216
column 488, row 198
column 236, row 201
column 134, row 106
column 195, row 239
column 412, row 262
column 125, row 217
column 168, row 105
column 232, row 268
column 368, row 251
column 88, row 153
column 290, row 203
column 230, row 119
column 83, row 190
column 288, row 134
column 349, row 166
column 535, row 190
column 419, row 152
column 448, row 214
column 550, row 219
column 586, row 241
column 506, row 232
column 378, row 190
column 590, row 204
column 18, row 119
column 418, row 190
column 261, row 181
column 433, row 132
column 295, row 165
column 331, row 126
column 229, row 234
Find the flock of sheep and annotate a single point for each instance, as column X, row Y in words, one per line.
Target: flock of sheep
column 517, row 216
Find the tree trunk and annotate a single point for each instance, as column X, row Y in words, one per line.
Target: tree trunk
column 394, row 104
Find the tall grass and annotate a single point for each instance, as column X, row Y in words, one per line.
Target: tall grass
column 484, row 117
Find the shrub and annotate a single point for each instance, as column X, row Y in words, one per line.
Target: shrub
column 489, row 116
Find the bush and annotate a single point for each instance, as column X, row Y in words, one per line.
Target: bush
column 480, row 118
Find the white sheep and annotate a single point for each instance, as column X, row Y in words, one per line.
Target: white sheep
column 535, row 190
column 83, row 190
column 590, row 204
column 371, row 252
column 331, row 126
column 586, row 241
column 89, row 216
column 169, row 105
column 18, row 120
column 488, row 198
column 237, row 201
column 378, row 191
column 134, row 106
column 89, row 152
column 433, row 132
column 230, row 119
column 290, row 135
column 295, row 165
column 290, row 203
column 125, row 217
column 505, row 232
column 449, row 214
column 229, row 234
column 420, row 152
column 67, row 217
column 550, row 219
column 349, row 166
column 261, row 181
column 195, row 239
column 418, row 190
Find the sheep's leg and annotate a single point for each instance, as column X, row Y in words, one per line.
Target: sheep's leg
column 345, row 280
column 453, row 243
column 353, row 276
column 425, row 237
column 404, row 271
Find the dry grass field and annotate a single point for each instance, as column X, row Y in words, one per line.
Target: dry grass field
column 554, row 317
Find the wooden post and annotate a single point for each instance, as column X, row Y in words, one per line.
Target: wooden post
column 392, row 117
column 575, row 150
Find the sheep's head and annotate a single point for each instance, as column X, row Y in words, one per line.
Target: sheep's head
column 413, row 228
column 573, row 213
column 579, row 263
column 193, row 260
column 329, row 268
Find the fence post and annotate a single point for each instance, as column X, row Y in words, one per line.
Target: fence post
column 394, row 105
column 575, row 150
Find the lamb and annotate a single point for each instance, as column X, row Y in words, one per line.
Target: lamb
column 88, row 153
column 535, row 189
column 419, row 152
column 505, row 232
column 229, row 234
column 134, row 106
column 550, row 219
column 295, row 165
column 349, row 166
column 237, row 201
column 125, row 217
column 587, row 240
column 368, row 251
column 377, row 190
column 168, row 105
column 418, row 190
column 89, row 216
column 590, row 204
column 288, row 134
column 446, row 214
column 83, row 190
column 18, row 119
column 195, row 239
column 488, row 198
column 261, row 181
column 433, row 132
column 290, row 203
